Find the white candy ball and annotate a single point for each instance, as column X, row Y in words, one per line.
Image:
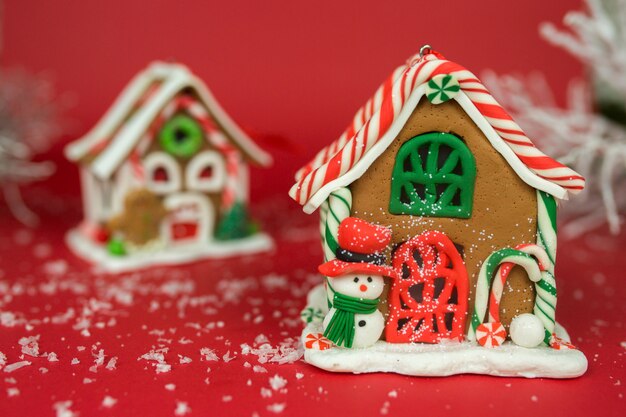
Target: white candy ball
column 526, row 330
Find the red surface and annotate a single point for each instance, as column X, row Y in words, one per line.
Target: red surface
column 41, row 280
column 293, row 73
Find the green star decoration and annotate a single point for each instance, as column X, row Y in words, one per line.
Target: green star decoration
column 442, row 88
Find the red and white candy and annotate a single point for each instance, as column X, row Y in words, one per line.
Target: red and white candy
column 317, row 341
column 491, row 335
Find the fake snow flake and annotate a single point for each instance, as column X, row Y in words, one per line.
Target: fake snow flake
column 52, row 357
column 162, row 368
column 227, row 398
column 88, row 380
column 111, row 365
column 30, row 345
column 3, row 360
column 108, row 401
column 182, row 408
column 277, row 382
column 63, row 409
column 266, row 392
column 384, row 410
column 227, row 357
column 15, row 366
column 183, row 359
column 208, row 354
column 170, row 387
column 58, row 267
column 289, row 351
column 158, row 357
column 13, row 392
column 75, row 361
column 276, row 408
column 393, row 394
column 273, row 282
column 259, row 369
column 299, row 375
column 43, row 370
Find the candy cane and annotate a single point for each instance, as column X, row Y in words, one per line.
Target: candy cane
column 545, row 286
column 337, row 207
column 546, row 226
column 502, row 275
column 485, row 278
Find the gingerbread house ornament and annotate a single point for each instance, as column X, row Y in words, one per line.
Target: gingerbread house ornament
column 467, row 261
column 165, row 177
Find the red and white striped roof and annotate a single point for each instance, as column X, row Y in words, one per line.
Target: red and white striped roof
column 378, row 122
column 120, row 130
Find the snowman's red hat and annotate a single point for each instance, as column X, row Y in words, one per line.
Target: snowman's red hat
column 360, row 250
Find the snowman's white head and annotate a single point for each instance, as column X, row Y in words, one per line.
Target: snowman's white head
column 366, row 286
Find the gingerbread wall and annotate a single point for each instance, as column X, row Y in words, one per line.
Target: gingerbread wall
column 504, row 210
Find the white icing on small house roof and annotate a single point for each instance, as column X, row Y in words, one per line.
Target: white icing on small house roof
column 378, row 122
column 120, row 130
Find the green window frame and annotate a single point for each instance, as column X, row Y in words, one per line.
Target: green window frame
column 433, row 175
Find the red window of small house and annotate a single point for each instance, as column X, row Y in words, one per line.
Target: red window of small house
column 159, row 174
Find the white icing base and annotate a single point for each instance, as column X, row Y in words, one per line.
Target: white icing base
column 98, row 254
column 444, row 359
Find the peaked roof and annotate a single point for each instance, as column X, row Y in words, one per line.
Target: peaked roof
column 377, row 123
column 119, row 131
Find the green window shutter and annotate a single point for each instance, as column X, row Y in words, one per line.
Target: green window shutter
column 433, row 175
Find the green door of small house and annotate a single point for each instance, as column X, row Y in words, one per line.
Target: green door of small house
column 433, row 175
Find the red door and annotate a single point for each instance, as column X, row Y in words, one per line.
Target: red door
column 429, row 302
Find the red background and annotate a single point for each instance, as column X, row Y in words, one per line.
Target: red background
column 292, row 73
column 298, row 70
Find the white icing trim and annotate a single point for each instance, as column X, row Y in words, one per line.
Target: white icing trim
column 197, row 164
column 161, row 159
column 383, row 143
column 103, row 262
column 175, row 78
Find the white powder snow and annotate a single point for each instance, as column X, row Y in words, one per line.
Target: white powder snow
column 277, row 382
column 108, row 401
column 208, row 354
column 15, row 366
column 276, row 408
column 182, row 408
column 30, row 345
column 62, row 409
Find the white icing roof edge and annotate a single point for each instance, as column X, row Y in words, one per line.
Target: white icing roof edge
column 379, row 147
column 174, row 78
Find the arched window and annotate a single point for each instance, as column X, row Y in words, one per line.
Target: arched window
column 433, row 175
column 162, row 173
column 206, row 172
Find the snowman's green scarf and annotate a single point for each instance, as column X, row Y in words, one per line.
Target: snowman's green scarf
column 342, row 324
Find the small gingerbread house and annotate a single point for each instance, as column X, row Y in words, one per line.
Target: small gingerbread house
column 471, row 206
column 165, row 170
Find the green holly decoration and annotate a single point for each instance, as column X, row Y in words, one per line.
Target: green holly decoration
column 236, row 224
column 312, row 315
column 442, row 88
column 116, row 247
column 181, row 136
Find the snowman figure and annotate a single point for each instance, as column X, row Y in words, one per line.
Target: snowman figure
column 355, row 281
